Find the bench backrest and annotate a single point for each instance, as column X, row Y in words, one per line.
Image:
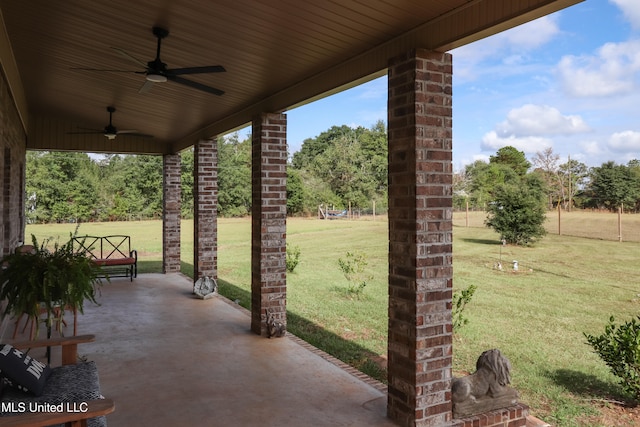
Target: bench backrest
column 103, row 247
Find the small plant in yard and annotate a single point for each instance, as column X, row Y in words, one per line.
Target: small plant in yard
column 459, row 302
column 619, row 347
column 293, row 258
column 353, row 267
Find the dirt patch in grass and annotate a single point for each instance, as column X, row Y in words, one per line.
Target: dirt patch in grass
column 615, row 415
column 379, row 360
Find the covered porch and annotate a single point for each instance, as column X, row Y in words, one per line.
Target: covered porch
column 59, row 74
column 168, row 359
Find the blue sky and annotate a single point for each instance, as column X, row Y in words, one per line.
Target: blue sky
column 569, row 81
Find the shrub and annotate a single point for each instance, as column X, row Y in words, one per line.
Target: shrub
column 619, row 347
column 459, row 302
column 293, row 258
column 353, row 267
column 518, row 211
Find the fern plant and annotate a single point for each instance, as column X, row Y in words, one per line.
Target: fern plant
column 43, row 282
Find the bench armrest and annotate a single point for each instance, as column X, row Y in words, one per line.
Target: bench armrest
column 94, row 408
column 69, row 346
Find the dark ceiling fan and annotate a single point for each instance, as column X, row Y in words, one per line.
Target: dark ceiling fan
column 110, row 131
column 156, row 71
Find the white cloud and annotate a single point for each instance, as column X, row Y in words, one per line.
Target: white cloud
column 591, row 147
column 528, row 144
column 482, row 157
column 540, row 120
column 612, row 70
column 509, row 47
column 528, row 128
column 625, row 141
column 631, row 10
column 532, row 34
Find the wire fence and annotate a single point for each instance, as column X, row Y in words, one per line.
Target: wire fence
column 589, row 224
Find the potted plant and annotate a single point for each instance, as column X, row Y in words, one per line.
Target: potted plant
column 47, row 282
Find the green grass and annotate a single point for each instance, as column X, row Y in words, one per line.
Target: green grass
column 565, row 286
column 591, row 225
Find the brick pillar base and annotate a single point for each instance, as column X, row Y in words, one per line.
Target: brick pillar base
column 205, row 209
column 514, row 416
column 171, row 190
column 268, row 220
column 420, row 239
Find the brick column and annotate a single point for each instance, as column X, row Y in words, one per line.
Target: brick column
column 6, row 203
column 420, row 239
column 268, row 219
column 171, row 193
column 205, row 210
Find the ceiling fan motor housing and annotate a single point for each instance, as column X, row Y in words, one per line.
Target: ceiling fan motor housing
column 110, row 132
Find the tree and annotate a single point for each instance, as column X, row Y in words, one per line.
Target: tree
column 343, row 166
column 316, row 192
column 346, row 169
column 186, row 183
column 511, row 157
column 517, row 211
column 613, row 185
column 144, row 174
column 634, row 167
column 483, row 178
column 574, row 175
column 295, row 192
column 375, row 148
column 131, row 185
column 312, row 147
column 60, row 186
column 234, row 176
column 546, row 164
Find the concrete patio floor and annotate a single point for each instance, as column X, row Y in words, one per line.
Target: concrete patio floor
column 169, row 359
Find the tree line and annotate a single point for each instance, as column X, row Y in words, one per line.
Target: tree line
column 572, row 184
column 341, row 167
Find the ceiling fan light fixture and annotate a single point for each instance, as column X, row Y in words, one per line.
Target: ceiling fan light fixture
column 110, row 136
column 156, row 78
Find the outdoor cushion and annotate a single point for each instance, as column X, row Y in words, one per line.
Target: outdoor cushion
column 105, row 262
column 22, row 370
column 66, row 384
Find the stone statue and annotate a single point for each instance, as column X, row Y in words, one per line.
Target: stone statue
column 486, row 389
column 275, row 328
column 205, row 288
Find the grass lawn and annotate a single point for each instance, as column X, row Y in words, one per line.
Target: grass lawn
column 565, row 286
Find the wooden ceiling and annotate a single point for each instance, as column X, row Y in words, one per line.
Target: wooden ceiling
column 278, row 54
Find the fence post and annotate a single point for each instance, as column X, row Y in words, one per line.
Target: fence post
column 466, row 217
column 559, row 222
column 620, row 223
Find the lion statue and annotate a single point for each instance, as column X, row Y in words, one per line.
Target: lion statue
column 487, row 388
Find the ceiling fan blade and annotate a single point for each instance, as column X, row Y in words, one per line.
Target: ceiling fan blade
column 129, row 57
column 146, row 87
column 197, row 70
column 195, row 85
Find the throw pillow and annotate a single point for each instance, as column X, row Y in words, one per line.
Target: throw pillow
column 23, row 370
